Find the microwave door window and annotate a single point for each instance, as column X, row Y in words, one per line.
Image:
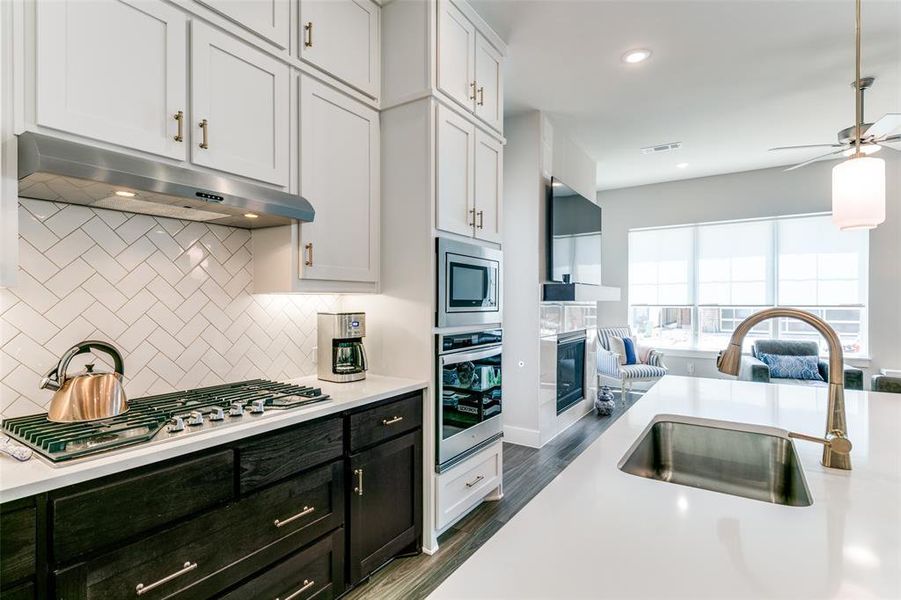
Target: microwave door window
column 471, row 394
column 468, row 285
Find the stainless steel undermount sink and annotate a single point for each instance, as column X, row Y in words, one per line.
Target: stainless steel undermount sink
column 744, row 460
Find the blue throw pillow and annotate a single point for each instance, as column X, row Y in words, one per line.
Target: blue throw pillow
column 783, row 366
column 630, row 351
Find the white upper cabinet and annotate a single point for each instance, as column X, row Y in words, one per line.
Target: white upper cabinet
column 239, row 107
column 267, row 18
column 489, row 82
column 342, row 38
column 113, row 70
column 339, row 175
column 456, row 54
column 489, row 169
column 455, row 156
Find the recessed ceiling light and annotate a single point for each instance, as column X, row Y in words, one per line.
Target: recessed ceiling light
column 125, row 194
column 682, row 166
column 251, row 215
column 637, row 55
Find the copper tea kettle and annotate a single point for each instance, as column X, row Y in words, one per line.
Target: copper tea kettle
column 87, row 395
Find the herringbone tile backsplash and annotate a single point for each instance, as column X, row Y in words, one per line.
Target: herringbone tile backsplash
column 174, row 296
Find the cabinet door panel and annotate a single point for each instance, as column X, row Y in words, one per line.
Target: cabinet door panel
column 386, row 512
column 243, row 95
column 268, row 18
column 455, row 157
column 339, row 175
column 112, row 70
column 489, row 82
column 489, row 173
column 456, row 61
column 342, row 38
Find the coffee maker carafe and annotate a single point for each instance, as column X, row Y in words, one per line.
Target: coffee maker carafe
column 341, row 355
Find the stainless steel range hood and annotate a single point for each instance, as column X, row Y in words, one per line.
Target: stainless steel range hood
column 64, row 171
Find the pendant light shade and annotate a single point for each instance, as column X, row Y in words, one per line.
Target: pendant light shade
column 858, row 193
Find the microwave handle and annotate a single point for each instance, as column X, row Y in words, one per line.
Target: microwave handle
column 458, row 357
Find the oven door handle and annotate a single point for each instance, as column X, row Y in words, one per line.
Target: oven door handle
column 459, row 357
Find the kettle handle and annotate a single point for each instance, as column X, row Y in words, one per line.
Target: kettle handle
column 55, row 378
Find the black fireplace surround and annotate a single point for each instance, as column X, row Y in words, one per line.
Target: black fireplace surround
column 570, row 369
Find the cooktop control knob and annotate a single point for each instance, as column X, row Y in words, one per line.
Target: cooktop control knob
column 217, row 414
column 178, row 424
column 195, row 418
column 236, row 410
column 257, row 407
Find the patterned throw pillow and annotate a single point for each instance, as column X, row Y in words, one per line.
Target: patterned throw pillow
column 792, row 367
column 625, row 348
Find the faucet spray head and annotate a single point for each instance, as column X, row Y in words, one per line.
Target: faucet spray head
column 728, row 361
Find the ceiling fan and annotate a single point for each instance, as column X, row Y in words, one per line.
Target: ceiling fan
column 872, row 135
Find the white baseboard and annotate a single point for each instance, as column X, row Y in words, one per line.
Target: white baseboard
column 522, row 436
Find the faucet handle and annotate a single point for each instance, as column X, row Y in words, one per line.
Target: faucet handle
column 835, row 440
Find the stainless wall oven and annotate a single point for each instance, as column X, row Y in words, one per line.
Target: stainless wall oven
column 469, row 284
column 469, row 394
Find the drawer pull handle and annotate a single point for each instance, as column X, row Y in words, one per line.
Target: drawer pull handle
column 306, row 510
column 308, row 31
column 472, row 223
column 307, row 584
column 481, row 221
column 205, row 128
column 481, row 101
column 359, row 489
column 475, row 481
column 309, row 248
column 392, row 421
column 180, row 119
column 472, row 86
column 142, row 589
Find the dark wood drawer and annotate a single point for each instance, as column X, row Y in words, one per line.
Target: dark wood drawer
column 25, row 591
column 226, row 545
column 18, row 540
column 123, row 507
column 373, row 425
column 314, row 572
column 274, row 456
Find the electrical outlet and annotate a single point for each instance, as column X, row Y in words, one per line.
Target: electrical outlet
column 690, row 366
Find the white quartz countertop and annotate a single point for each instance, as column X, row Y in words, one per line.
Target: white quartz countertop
column 20, row 479
column 596, row 532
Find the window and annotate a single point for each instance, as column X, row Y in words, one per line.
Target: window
column 690, row 286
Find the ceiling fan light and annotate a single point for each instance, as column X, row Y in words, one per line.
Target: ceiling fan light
column 858, row 193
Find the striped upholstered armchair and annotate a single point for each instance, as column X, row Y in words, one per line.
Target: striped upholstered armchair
column 609, row 366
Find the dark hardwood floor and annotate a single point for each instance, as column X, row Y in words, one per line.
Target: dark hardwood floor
column 526, row 472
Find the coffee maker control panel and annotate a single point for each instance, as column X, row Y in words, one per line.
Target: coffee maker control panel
column 350, row 325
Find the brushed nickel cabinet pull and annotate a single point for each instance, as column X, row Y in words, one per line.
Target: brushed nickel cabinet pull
column 392, row 421
column 481, row 101
column 475, row 481
column 472, row 86
column 472, row 223
column 309, row 250
column 306, row 510
column 180, row 119
column 481, row 220
column 142, row 589
column 205, row 127
column 359, row 489
column 307, row 584
column 308, row 35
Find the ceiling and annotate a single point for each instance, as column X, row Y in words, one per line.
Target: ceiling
column 727, row 78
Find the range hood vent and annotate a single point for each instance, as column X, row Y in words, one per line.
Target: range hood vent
column 64, row 171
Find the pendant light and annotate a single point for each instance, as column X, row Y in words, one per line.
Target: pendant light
column 858, row 184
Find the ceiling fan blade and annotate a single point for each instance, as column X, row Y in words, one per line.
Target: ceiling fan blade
column 805, row 146
column 891, row 139
column 884, row 126
column 813, row 160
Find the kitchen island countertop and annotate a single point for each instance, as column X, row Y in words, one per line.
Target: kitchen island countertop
column 36, row 475
column 596, row 532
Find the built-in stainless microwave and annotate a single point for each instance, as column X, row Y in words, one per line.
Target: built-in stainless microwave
column 469, row 284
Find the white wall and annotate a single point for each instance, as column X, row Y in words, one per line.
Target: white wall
column 763, row 193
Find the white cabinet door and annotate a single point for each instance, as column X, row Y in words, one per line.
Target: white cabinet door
column 455, row 157
column 239, row 102
column 113, row 70
column 456, row 60
column 342, row 38
column 339, row 175
column 489, row 169
column 268, row 18
column 489, row 83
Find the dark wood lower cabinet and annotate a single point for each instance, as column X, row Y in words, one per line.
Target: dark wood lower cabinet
column 298, row 513
column 385, row 502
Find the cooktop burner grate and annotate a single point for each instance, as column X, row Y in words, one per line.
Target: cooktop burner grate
column 148, row 416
